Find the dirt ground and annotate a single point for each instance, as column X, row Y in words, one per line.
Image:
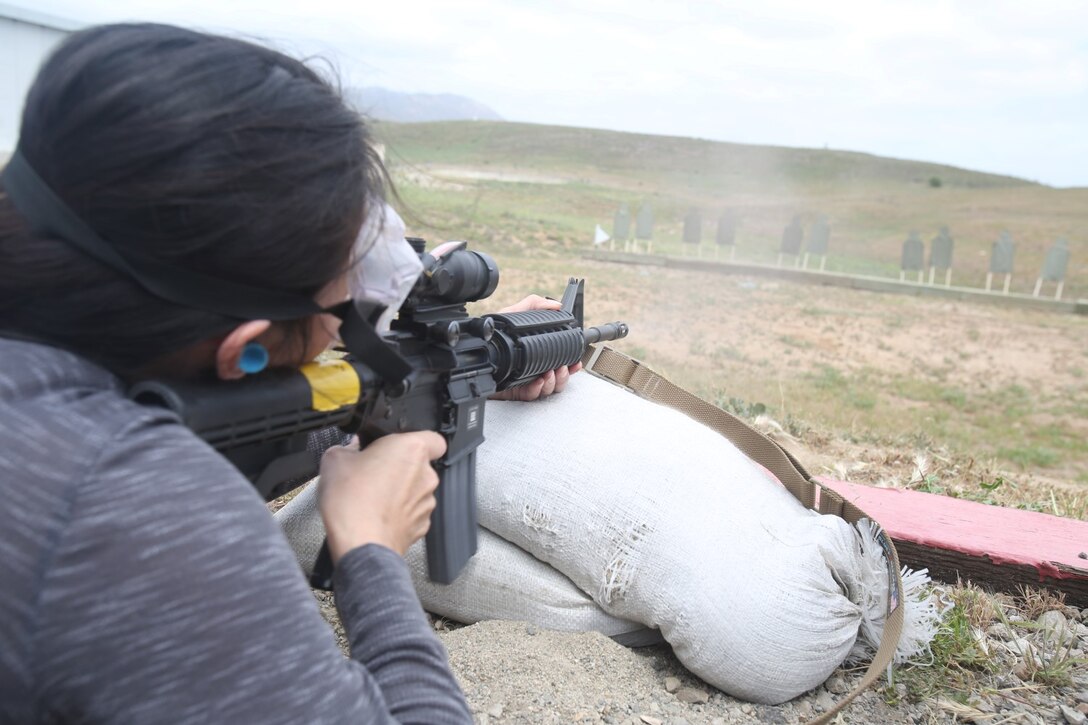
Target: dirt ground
column 516, row 672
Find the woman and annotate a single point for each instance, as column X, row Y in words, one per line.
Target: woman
column 177, row 202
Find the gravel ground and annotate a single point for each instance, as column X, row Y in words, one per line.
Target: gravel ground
column 513, row 672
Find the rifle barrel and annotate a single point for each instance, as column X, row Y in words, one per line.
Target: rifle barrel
column 606, row 332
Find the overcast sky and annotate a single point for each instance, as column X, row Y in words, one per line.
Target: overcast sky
column 993, row 85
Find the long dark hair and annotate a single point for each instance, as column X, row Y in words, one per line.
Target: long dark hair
column 211, row 153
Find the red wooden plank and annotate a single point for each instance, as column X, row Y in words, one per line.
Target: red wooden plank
column 992, row 545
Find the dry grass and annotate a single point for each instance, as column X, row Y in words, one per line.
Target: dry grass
column 1033, row 602
column 980, row 609
column 968, row 661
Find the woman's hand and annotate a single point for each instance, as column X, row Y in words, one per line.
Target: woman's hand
column 383, row 494
column 550, row 382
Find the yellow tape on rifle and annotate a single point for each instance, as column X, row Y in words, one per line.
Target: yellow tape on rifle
column 334, row 384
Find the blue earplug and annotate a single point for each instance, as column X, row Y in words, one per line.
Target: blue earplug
column 254, row 358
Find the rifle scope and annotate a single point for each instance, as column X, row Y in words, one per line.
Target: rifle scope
column 453, row 274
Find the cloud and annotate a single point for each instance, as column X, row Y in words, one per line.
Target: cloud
column 932, row 77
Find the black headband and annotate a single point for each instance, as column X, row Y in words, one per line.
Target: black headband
column 49, row 216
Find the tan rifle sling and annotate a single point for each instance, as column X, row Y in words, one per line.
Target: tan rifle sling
column 629, row 373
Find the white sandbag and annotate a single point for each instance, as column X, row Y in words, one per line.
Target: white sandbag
column 503, row 582
column 500, row 582
column 663, row 521
column 301, row 522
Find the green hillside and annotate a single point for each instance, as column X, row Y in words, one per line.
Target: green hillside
column 712, row 165
column 544, row 188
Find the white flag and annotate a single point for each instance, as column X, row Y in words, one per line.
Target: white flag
column 600, row 236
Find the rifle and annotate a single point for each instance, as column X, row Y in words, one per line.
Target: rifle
column 263, row 423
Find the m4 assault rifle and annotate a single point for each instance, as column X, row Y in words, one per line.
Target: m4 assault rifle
column 454, row 362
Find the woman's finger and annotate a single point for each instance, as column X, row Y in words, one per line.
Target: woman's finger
column 530, row 392
column 562, row 375
column 433, row 445
column 532, row 302
column 549, row 384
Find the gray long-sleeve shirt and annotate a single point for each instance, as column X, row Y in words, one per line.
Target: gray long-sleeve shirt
column 142, row 579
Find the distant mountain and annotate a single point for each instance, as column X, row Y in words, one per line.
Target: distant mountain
column 386, row 105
